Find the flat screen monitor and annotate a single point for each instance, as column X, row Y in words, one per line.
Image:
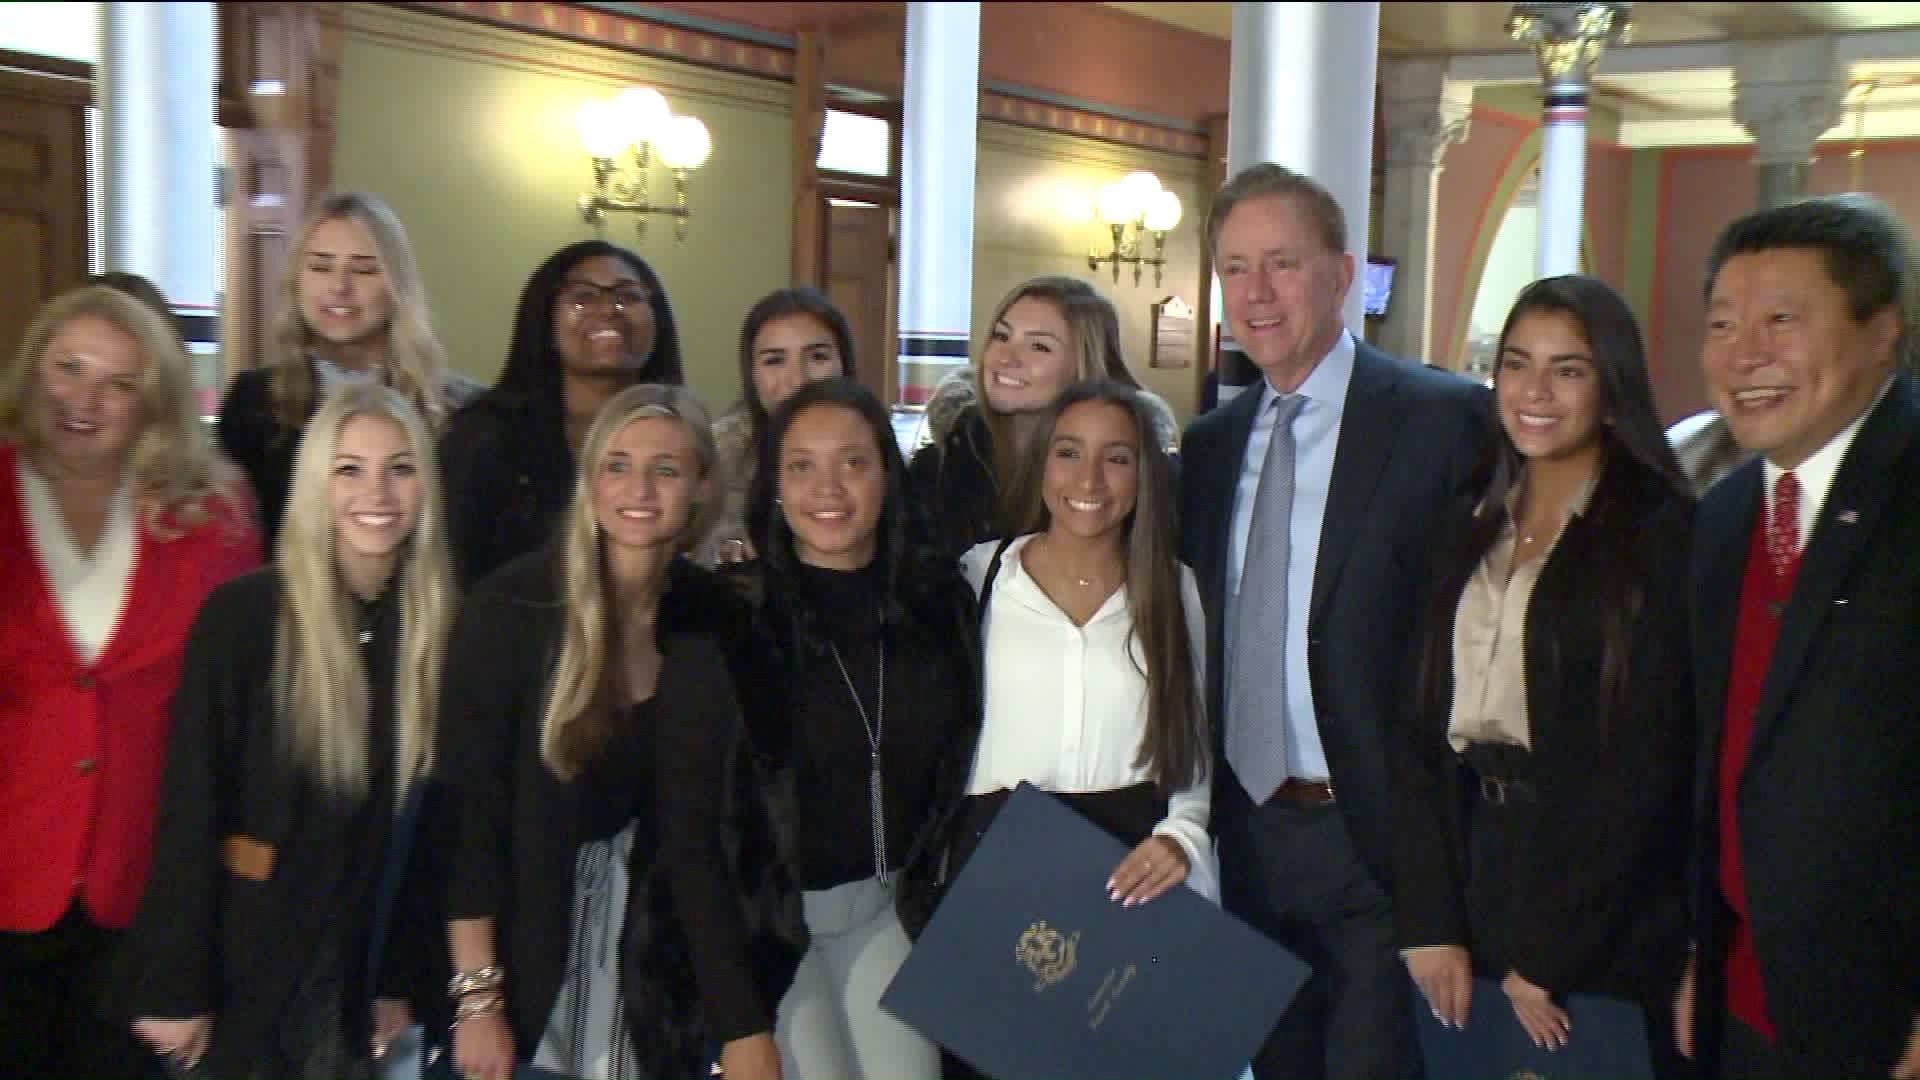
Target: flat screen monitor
column 1378, row 287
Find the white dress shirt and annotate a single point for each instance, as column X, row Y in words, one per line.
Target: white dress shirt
column 1816, row 474
column 89, row 590
column 1316, row 433
column 1066, row 705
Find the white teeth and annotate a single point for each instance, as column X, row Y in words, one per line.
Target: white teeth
column 1085, row 506
column 1263, row 324
column 1008, row 381
column 376, row 521
column 1758, row 397
column 340, row 312
column 86, row 426
column 828, row 515
column 1527, row 420
column 598, row 334
column 639, row 515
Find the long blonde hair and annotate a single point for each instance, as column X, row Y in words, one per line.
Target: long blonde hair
column 416, row 363
column 319, row 679
column 579, row 716
column 171, row 469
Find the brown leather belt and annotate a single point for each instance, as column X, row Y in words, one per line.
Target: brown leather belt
column 1305, row 792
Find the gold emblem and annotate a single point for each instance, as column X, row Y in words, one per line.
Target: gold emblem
column 1046, row 952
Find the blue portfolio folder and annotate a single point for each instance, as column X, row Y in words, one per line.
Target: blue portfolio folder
column 1606, row 1040
column 1029, row 972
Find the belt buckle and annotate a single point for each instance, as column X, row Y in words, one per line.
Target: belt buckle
column 1493, row 790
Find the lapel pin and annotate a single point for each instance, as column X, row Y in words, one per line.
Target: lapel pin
column 1849, row 517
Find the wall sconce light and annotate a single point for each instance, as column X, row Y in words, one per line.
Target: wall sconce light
column 1132, row 207
column 637, row 119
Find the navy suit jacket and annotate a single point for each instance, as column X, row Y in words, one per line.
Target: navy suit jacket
column 1411, row 439
column 1829, row 797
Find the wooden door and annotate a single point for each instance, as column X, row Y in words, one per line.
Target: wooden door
column 43, row 186
column 859, row 265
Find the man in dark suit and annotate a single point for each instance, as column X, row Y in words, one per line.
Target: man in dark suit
column 1309, row 504
column 1806, row 627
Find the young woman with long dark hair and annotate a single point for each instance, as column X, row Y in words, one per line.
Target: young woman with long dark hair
column 1550, row 749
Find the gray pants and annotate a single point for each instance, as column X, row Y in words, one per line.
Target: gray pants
column 830, row 1025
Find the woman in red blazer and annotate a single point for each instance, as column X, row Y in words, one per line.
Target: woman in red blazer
column 116, row 521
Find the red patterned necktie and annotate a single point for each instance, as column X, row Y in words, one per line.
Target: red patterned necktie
column 1783, row 524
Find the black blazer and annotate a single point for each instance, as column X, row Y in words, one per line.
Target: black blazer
column 211, row 936
column 1409, row 441
column 514, row 828
column 1592, row 899
column 1828, row 801
column 508, row 475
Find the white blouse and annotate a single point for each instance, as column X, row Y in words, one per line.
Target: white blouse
column 89, row 590
column 1066, row 705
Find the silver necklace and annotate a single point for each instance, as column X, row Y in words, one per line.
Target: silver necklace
column 875, row 728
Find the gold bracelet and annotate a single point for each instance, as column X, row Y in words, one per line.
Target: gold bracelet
column 478, row 1004
column 491, row 977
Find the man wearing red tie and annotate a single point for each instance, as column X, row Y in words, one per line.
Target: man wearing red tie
column 1806, row 626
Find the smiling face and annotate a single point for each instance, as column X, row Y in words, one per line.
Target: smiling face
column 833, row 484
column 87, row 409
column 1030, row 357
column 646, row 484
column 603, row 318
column 375, row 490
column 1785, row 361
column 1549, row 394
column 342, row 287
column 790, row 351
column 1092, row 470
column 1281, row 285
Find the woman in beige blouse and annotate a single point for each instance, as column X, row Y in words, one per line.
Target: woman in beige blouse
column 1546, row 764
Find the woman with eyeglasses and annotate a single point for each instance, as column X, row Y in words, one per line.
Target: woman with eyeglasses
column 592, row 321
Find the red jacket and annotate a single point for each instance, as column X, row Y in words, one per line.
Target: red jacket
column 81, row 746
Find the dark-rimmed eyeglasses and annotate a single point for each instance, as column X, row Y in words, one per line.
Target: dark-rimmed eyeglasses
column 578, row 296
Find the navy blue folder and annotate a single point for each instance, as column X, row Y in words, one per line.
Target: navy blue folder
column 1606, row 1040
column 1029, row 972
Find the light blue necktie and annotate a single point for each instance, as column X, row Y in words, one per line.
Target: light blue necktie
column 1257, row 695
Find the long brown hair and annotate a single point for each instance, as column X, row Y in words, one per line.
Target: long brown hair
column 1095, row 348
column 1176, row 742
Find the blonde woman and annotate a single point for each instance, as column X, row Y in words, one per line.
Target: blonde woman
column 577, row 671
column 303, row 725
column 114, row 526
column 352, row 307
column 1048, row 333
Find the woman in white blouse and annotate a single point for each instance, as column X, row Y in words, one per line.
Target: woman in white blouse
column 1092, row 638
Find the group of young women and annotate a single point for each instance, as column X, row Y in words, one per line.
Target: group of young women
column 599, row 735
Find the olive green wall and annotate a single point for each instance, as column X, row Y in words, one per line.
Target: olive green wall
column 469, row 132
column 1033, row 214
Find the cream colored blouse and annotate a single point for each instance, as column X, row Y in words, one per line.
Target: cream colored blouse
column 1489, row 637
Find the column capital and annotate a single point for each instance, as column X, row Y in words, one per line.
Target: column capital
column 1422, row 112
column 1786, row 94
column 1568, row 37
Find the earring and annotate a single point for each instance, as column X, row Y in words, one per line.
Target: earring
column 776, row 500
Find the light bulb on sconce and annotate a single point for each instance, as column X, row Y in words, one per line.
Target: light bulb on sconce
column 1132, row 207
column 638, row 118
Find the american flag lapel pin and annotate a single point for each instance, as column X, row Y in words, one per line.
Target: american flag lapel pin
column 1849, row 517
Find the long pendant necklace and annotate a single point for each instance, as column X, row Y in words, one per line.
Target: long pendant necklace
column 875, row 728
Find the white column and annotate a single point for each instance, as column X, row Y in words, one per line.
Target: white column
column 939, row 117
column 1423, row 113
column 1567, row 39
column 1786, row 93
column 155, row 89
column 1301, row 95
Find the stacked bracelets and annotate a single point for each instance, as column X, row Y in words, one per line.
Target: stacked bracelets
column 479, row 992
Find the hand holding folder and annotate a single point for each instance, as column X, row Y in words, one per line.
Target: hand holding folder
column 1030, row 972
